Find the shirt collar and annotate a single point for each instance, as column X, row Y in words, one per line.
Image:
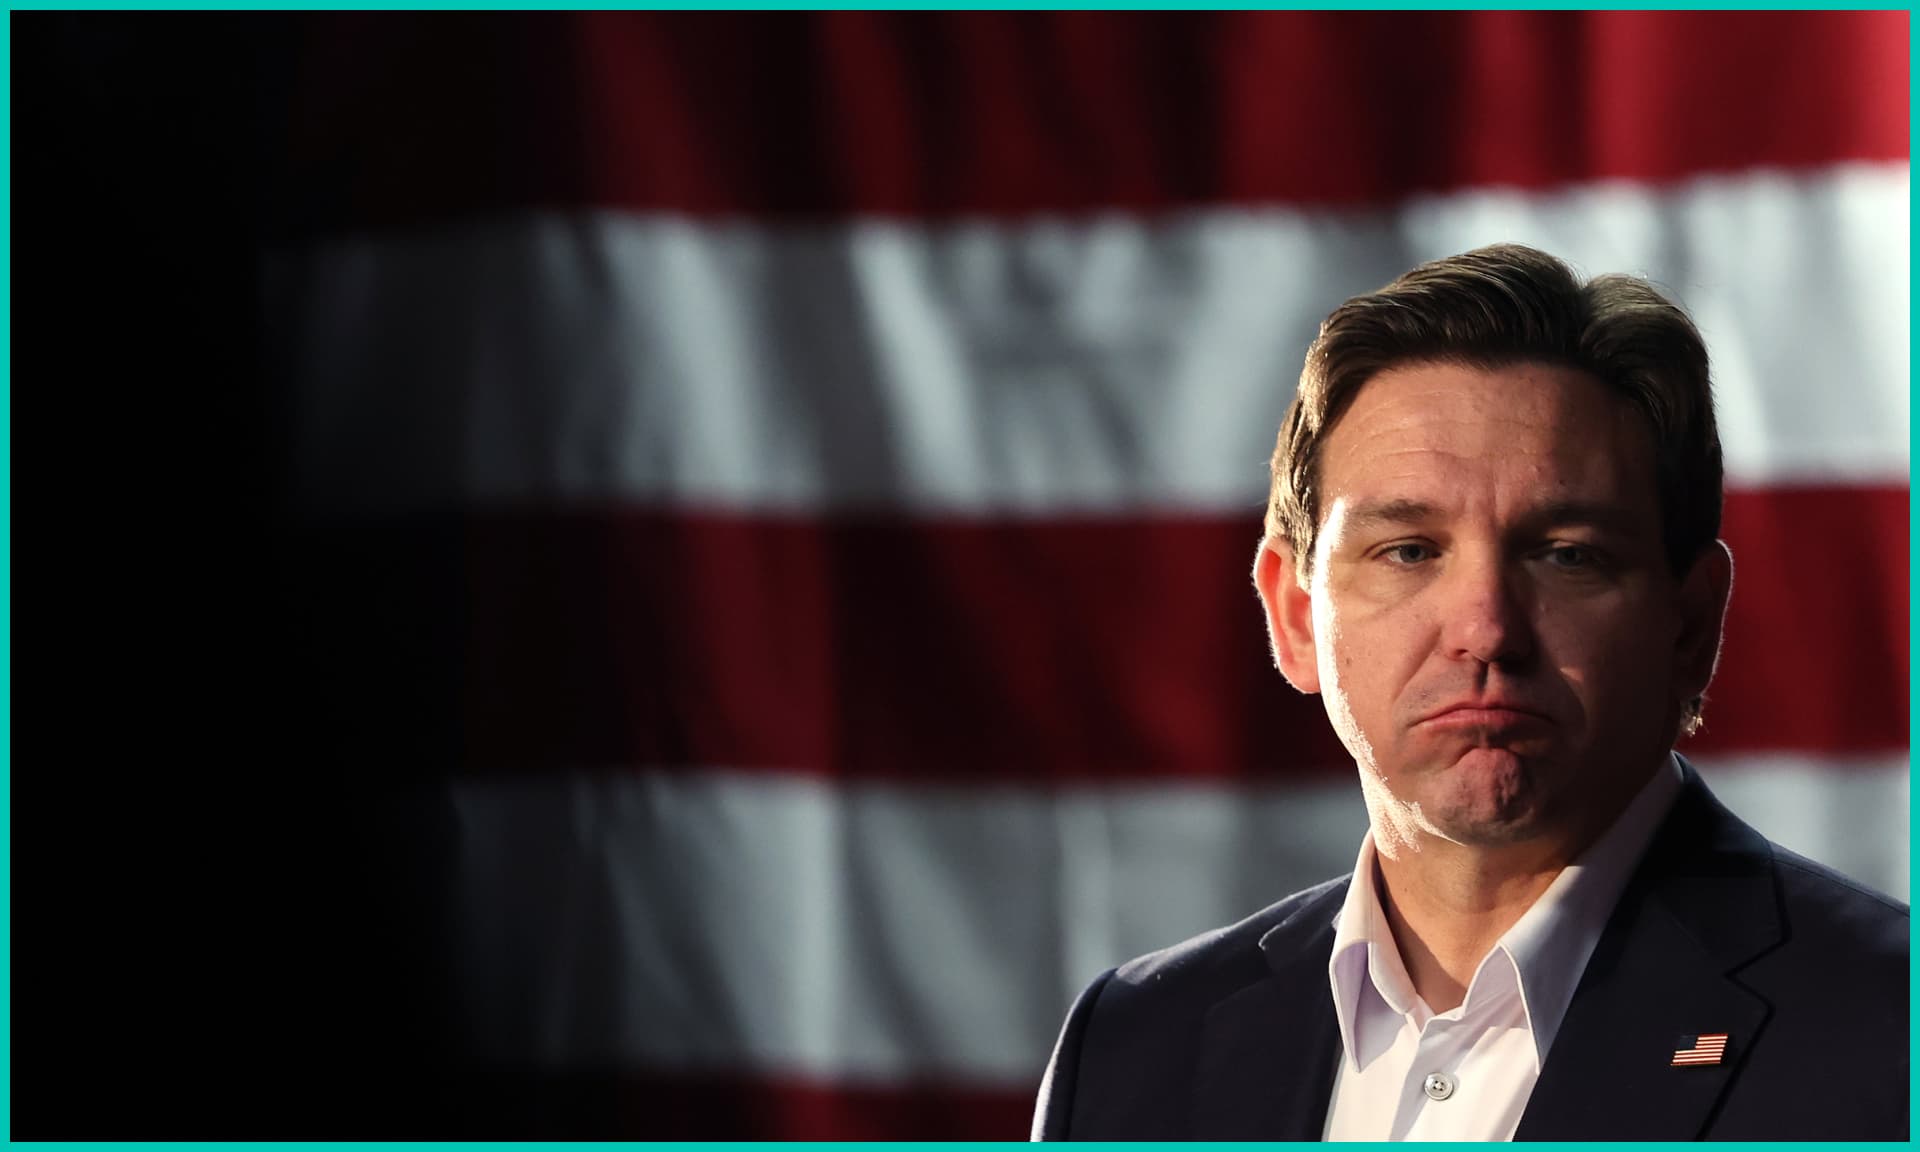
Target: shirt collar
column 1546, row 949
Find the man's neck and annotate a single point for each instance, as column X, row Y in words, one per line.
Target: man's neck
column 1450, row 904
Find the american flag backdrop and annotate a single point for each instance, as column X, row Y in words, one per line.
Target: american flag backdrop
column 786, row 487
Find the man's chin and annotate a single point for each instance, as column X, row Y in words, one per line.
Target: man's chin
column 1487, row 796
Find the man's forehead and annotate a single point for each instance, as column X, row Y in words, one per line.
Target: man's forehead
column 1419, row 397
column 1414, row 432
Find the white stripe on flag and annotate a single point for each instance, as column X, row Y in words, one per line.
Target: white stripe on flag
column 1093, row 365
column 870, row 933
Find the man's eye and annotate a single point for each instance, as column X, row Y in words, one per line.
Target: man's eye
column 1573, row 556
column 1407, row 553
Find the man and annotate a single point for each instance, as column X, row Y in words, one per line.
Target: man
column 1492, row 548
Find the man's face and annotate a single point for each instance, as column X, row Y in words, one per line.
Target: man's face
column 1490, row 613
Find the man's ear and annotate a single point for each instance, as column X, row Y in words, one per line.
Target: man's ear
column 1704, row 593
column 1289, row 615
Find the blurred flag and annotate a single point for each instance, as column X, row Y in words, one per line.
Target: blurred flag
column 797, row 477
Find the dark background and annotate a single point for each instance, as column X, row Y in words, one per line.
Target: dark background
column 222, row 840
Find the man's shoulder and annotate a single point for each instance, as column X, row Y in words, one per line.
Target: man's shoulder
column 1215, row 962
column 1128, row 1056
column 1813, row 883
column 1802, row 912
column 1828, row 913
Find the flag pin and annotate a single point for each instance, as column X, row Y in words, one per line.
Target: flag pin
column 1704, row 1048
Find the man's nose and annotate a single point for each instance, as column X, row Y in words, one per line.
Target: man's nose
column 1487, row 612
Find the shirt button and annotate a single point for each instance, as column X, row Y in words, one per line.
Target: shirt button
column 1439, row 1086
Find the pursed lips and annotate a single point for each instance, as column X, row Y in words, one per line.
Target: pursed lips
column 1484, row 714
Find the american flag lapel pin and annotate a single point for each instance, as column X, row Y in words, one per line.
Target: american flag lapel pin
column 1705, row 1048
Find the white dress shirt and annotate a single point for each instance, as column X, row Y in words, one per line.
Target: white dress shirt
column 1408, row 1074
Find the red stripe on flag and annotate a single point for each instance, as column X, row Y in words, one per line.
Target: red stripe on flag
column 411, row 119
column 650, row 1105
column 1021, row 651
column 1028, row 651
column 1815, row 657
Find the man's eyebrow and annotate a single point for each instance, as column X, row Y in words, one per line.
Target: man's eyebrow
column 1385, row 512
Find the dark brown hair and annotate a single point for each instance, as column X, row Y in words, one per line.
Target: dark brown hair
column 1502, row 305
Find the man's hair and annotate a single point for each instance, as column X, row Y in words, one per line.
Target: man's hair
column 1502, row 305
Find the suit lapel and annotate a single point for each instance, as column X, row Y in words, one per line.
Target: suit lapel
column 1268, row 1052
column 1701, row 903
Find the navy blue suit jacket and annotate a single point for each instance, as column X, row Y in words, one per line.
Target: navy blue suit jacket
column 1232, row 1036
